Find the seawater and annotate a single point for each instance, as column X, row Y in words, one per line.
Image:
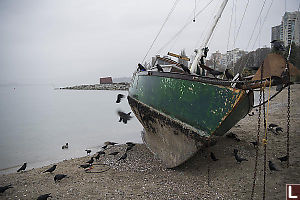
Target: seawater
column 35, row 121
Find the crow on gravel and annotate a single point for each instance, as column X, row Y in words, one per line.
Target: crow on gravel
column 123, row 157
column 3, row 188
column 284, row 158
column 254, row 143
column 213, row 157
column 88, row 151
column 91, row 160
column 23, row 167
column 272, row 166
column 51, row 169
column 44, row 196
column 59, row 177
column 239, row 159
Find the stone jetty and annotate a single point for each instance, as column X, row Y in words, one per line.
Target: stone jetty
column 112, row 86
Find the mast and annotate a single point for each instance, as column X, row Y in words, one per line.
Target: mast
column 200, row 53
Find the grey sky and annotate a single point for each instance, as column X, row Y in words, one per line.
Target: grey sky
column 67, row 42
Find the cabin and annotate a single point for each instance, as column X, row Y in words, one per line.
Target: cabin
column 106, row 80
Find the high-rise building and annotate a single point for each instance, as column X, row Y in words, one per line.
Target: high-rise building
column 289, row 29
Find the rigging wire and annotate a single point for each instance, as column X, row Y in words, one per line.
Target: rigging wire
column 201, row 39
column 237, row 34
column 227, row 48
column 194, row 20
column 185, row 25
column 260, row 28
column 167, row 18
column 256, row 23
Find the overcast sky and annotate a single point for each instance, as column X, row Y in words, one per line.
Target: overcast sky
column 66, row 42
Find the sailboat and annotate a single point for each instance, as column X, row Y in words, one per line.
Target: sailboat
column 182, row 109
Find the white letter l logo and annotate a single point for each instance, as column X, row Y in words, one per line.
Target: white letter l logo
column 290, row 193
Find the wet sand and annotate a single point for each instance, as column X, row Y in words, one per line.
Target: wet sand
column 143, row 176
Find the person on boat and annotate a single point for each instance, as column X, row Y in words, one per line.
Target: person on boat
column 141, row 67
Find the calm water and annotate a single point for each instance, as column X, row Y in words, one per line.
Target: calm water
column 35, row 121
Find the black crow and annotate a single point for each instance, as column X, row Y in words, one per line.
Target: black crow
column 124, row 117
column 272, row 130
column 59, row 177
column 112, row 143
column 51, row 169
column 97, row 156
column 215, row 73
column 130, row 143
column 159, row 68
column 3, row 188
column 129, row 148
column 228, row 75
column 272, row 166
column 251, row 114
column 84, row 166
column 213, row 157
column 91, row 160
column 65, row 146
column 284, row 158
column 141, row 67
column 88, row 151
column 185, row 69
column 278, row 129
column 119, row 97
column 44, row 196
column 123, row 157
column 272, row 125
column 101, row 152
column 114, row 153
column 235, row 151
column 23, row 167
column 239, row 159
column 254, row 143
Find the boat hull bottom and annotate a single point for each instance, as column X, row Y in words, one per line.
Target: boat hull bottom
column 171, row 140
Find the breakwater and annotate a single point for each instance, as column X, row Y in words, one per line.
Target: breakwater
column 108, row 86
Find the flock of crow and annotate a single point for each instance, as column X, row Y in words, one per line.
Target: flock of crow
column 274, row 128
column 124, row 117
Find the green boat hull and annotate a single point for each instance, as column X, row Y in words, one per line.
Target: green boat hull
column 180, row 113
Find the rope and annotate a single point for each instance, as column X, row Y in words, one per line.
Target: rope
column 167, row 18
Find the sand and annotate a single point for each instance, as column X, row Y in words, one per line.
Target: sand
column 143, row 176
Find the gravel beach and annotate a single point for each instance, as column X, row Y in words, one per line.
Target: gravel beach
column 143, row 176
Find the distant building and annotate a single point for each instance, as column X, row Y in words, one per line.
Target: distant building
column 106, row 80
column 276, row 33
column 289, row 29
column 221, row 61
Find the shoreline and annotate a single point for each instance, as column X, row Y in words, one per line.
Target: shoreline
column 108, row 86
column 143, row 176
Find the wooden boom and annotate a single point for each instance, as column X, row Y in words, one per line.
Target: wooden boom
column 178, row 56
